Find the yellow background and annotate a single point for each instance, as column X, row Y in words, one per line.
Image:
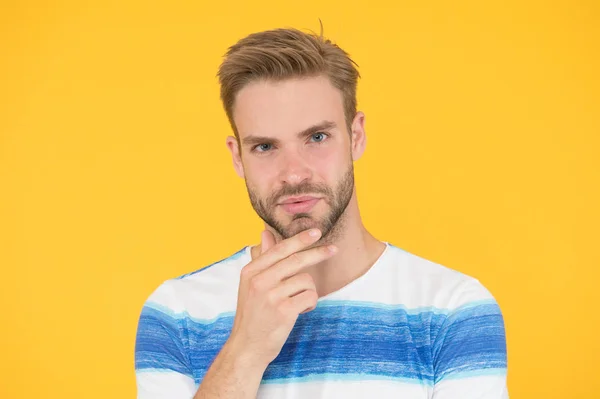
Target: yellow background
column 483, row 155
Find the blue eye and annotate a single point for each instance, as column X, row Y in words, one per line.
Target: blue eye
column 319, row 137
column 262, row 147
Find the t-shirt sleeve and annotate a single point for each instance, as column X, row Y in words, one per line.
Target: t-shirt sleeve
column 162, row 366
column 469, row 351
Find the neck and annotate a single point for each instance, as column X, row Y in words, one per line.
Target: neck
column 358, row 250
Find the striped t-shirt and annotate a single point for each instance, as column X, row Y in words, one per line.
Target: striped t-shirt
column 408, row 328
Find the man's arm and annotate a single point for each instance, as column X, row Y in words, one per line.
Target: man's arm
column 232, row 375
column 469, row 351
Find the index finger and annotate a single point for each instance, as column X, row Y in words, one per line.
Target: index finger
column 285, row 248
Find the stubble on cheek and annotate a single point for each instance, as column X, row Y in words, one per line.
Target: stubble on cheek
column 329, row 221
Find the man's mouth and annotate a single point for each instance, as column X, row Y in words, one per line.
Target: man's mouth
column 301, row 204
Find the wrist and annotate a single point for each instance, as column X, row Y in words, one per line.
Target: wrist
column 243, row 359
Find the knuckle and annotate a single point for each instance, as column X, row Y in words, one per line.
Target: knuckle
column 312, row 297
column 325, row 252
column 257, row 283
column 295, row 259
column 271, row 297
column 246, row 272
column 278, row 250
column 311, row 301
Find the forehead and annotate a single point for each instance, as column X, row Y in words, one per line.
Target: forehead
column 270, row 108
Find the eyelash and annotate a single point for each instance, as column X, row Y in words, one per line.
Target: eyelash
column 254, row 149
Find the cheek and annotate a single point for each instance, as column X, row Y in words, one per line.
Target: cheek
column 329, row 161
column 260, row 175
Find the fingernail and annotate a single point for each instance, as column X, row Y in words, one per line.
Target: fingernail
column 314, row 232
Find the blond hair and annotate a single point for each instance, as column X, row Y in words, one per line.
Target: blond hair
column 281, row 54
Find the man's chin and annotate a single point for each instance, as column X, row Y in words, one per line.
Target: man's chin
column 300, row 224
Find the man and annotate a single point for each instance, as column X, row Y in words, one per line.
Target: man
column 320, row 308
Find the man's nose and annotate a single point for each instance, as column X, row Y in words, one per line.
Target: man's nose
column 294, row 168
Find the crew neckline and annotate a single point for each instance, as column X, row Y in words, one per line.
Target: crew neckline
column 352, row 283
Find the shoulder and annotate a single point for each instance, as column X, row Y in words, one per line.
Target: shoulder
column 203, row 293
column 428, row 283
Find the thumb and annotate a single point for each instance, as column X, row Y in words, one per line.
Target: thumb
column 267, row 241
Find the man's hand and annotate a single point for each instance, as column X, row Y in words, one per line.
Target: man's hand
column 273, row 291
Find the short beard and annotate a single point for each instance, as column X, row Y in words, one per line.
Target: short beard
column 331, row 225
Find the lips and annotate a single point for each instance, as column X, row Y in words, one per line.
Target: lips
column 299, row 204
column 303, row 198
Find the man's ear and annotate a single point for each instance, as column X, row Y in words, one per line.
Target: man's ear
column 234, row 148
column 358, row 136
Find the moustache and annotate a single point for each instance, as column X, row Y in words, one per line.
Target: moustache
column 298, row 191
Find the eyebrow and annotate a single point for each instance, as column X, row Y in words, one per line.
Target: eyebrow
column 255, row 140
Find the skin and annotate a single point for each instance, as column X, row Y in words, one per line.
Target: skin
column 278, row 111
column 291, row 269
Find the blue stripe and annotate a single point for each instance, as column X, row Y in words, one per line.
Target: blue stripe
column 322, row 304
column 159, row 343
column 414, row 311
column 344, row 339
column 185, row 315
column 158, row 371
column 339, row 377
column 471, row 340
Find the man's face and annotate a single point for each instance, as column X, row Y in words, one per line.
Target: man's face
column 296, row 154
